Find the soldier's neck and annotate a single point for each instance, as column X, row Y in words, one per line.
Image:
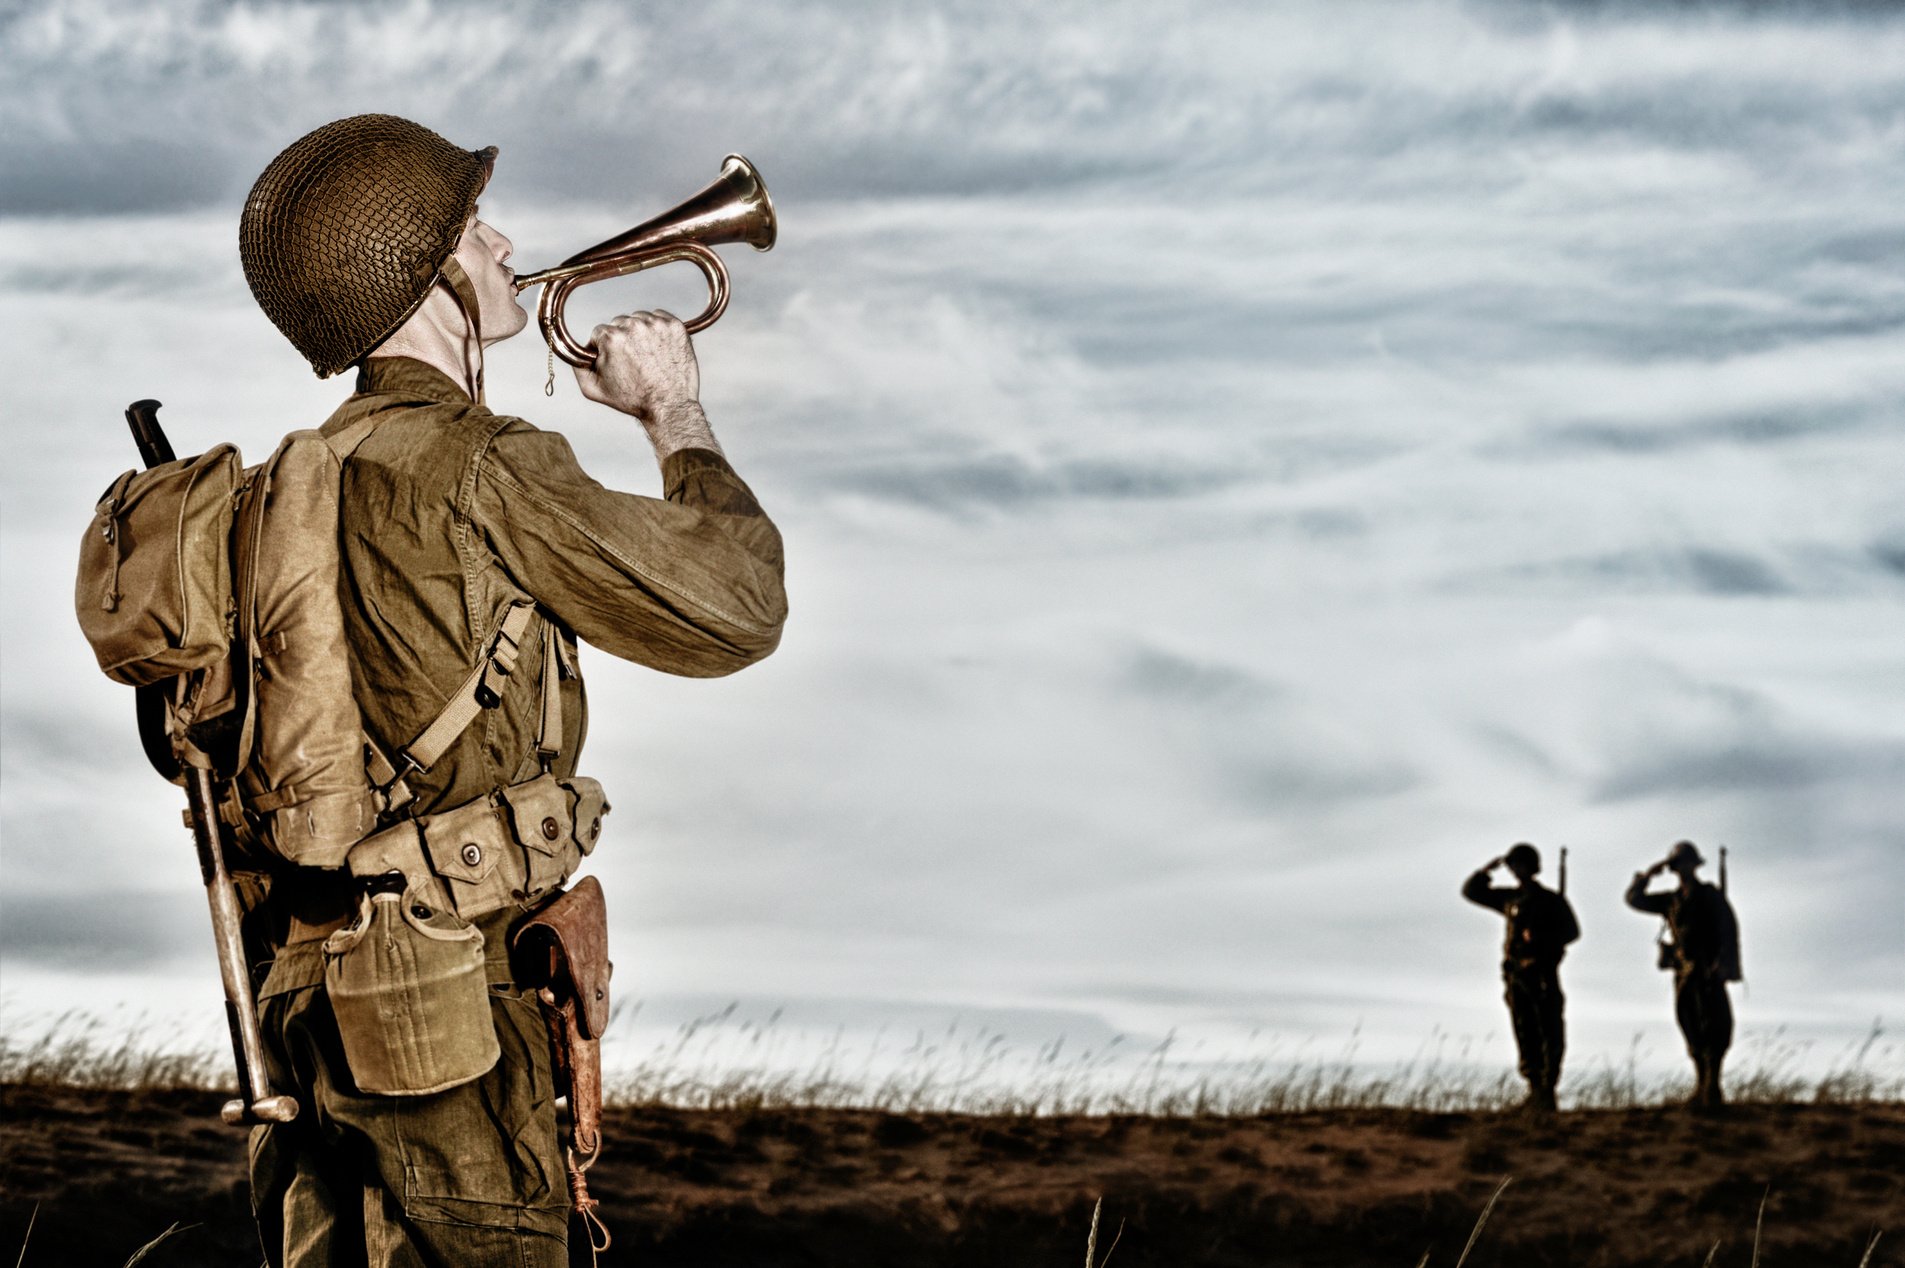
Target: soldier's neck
column 439, row 335
column 456, row 359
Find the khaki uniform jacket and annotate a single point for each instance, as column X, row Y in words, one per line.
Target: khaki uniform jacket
column 449, row 513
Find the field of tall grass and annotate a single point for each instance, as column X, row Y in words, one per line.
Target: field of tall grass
column 723, row 1061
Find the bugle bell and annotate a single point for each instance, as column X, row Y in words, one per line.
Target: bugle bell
column 735, row 208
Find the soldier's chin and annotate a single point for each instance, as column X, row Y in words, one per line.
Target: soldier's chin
column 515, row 321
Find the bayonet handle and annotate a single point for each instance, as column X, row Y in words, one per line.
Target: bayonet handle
column 154, row 449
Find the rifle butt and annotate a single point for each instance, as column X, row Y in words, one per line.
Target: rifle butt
column 258, row 1103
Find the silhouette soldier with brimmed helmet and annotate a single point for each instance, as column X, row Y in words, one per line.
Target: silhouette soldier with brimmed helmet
column 1704, row 954
column 1541, row 924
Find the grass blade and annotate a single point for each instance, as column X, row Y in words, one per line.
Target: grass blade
column 1870, row 1247
column 150, row 1246
column 1474, row 1236
column 34, row 1218
column 1091, row 1238
column 1759, row 1223
column 1712, row 1253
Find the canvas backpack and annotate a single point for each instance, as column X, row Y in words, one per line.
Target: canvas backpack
column 220, row 582
column 215, row 589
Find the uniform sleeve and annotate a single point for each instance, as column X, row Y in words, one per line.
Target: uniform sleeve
column 689, row 583
column 1640, row 900
column 1477, row 890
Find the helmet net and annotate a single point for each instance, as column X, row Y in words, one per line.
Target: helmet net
column 345, row 232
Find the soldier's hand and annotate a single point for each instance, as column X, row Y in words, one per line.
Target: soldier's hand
column 1498, row 861
column 644, row 365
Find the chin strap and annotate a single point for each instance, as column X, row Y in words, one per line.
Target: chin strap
column 453, row 276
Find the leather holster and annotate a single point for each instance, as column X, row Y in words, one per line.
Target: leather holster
column 563, row 951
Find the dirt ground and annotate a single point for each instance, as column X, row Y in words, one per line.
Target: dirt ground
column 1603, row 1189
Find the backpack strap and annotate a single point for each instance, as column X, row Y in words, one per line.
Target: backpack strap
column 389, row 778
column 343, row 444
column 549, row 731
column 394, row 793
column 481, row 690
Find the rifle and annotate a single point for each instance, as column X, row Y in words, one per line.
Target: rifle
column 1562, row 878
column 256, row 1102
column 1723, row 869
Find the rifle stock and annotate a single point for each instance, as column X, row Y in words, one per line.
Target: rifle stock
column 256, row 1103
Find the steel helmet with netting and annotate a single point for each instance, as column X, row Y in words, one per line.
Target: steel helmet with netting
column 346, row 231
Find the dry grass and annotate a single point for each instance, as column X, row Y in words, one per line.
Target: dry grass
column 138, row 1256
column 718, row 1062
column 78, row 1050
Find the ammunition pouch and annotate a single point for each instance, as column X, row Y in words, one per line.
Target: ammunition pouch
column 513, row 847
column 406, row 984
column 1666, row 956
column 406, row 978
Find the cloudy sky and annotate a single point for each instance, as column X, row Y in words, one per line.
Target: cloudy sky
column 1241, row 468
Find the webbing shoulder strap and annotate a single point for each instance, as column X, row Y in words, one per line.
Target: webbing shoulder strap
column 549, row 730
column 469, row 700
column 482, row 689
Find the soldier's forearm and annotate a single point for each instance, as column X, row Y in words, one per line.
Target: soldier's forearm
column 1637, row 896
column 683, row 426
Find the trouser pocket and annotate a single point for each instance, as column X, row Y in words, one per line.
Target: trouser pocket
column 406, row 984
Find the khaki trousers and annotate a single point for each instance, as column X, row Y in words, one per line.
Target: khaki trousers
column 466, row 1178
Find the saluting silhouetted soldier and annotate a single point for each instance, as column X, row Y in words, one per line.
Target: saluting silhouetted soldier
column 1541, row 924
column 1704, row 956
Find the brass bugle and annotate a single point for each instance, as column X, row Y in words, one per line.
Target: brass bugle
column 735, row 208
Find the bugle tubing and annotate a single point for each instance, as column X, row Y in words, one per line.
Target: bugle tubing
column 735, row 208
